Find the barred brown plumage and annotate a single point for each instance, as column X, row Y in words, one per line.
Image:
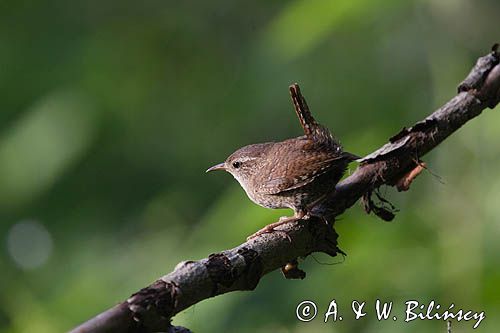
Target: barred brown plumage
column 296, row 173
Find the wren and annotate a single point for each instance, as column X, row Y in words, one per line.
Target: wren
column 297, row 173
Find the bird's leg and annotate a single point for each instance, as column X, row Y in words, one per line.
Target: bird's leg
column 285, row 219
column 311, row 206
column 300, row 214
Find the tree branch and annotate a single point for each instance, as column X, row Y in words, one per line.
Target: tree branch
column 395, row 164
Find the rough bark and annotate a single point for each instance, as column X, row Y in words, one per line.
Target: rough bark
column 397, row 163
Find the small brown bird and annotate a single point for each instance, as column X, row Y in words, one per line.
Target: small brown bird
column 296, row 173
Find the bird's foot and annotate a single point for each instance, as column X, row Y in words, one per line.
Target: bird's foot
column 286, row 219
column 270, row 228
column 282, row 220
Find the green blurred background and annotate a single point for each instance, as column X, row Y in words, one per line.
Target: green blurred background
column 111, row 111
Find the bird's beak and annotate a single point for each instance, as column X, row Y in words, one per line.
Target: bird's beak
column 219, row 166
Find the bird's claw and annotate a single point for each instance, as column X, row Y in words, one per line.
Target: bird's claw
column 271, row 228
column 266, row 230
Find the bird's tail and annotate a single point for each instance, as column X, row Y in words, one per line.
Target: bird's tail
column 312, row 129
column 307, row 121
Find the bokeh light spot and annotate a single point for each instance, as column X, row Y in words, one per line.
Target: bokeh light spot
column 29, row 244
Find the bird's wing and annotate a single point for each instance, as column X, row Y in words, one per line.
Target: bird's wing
column 297, row 162
column 300, row 166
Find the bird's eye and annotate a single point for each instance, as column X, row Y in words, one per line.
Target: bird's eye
column 236, row 165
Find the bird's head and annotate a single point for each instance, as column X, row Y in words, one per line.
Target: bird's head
column 244, row 163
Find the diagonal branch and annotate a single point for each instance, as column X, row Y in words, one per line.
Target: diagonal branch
column 396, row 164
